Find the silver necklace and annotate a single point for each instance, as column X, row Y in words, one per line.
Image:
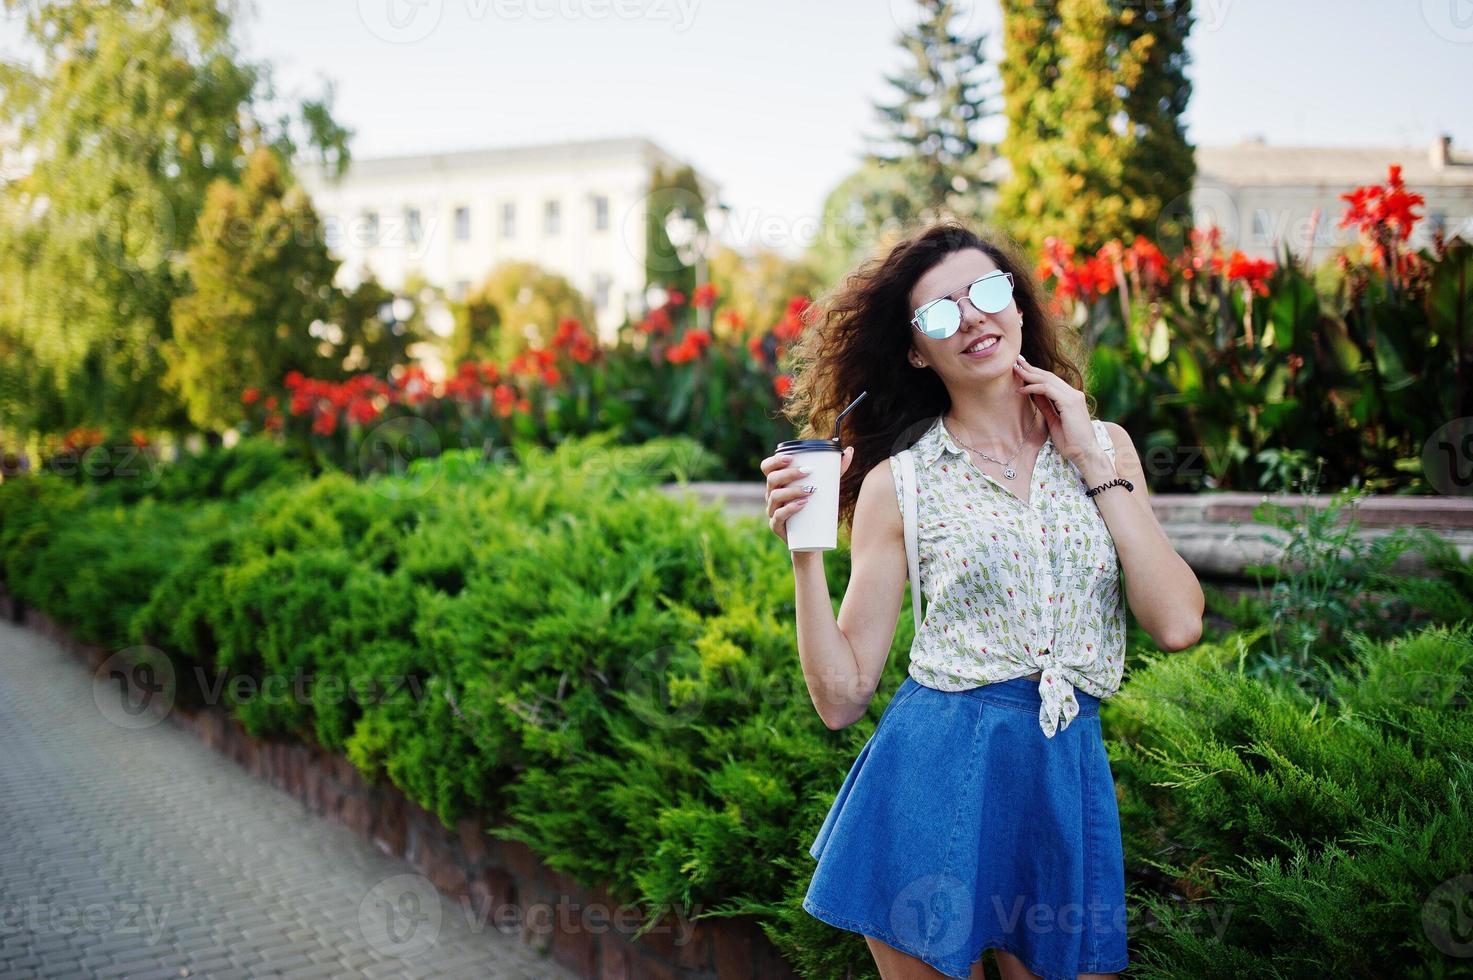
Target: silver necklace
column 1007, row 464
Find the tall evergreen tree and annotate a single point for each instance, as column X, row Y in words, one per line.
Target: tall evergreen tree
column 930, row 132
column 1094, row 93
column 261, row 276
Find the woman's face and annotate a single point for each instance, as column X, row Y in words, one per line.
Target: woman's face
column 950, row 277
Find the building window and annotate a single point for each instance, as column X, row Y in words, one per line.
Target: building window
column 412, row 225
column 602, row 283
column 462, row 224
column 1260, row 226
column 370, row 228
column 600, row 212
column 508, row 220
column 551, row 218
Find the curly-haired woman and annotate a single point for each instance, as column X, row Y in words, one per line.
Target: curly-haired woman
column 981, row 814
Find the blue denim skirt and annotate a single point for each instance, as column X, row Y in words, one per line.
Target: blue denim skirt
column 961, row 827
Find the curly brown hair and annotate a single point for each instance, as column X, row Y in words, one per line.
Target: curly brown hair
column 858, row 335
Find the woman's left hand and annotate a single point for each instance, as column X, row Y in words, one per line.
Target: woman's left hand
column 1063, row 409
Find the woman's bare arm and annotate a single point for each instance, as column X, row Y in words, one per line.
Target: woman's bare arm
column 844, row 656
column 1162, row 589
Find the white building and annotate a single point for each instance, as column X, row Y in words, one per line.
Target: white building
column 575, row 208
column 1262, row 196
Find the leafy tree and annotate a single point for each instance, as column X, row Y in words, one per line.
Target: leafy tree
column 756, row 288
column 517, row 306
column 1094, row 93
column 669, row 192
column 932, row 127
column 376, row 333
column 261, row 277
column 862, row 215
column 126, row 114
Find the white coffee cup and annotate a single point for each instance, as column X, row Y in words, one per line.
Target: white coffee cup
column 815, row 527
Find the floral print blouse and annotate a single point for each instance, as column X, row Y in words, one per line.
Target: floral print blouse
column 1014, row 587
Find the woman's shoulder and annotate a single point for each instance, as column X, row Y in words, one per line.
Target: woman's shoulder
column 1110, row 435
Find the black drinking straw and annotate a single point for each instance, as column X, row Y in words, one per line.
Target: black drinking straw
column 846, row 411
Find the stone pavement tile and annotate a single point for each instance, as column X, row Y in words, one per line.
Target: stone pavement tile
column 190, row 862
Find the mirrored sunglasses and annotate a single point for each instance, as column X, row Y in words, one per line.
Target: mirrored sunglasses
column 940, row 318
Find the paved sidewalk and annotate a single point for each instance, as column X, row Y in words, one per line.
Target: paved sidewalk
column 145, row 854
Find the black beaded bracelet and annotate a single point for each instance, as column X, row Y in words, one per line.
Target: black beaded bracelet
column 1117, row 482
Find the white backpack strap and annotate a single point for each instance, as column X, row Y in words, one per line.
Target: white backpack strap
column 1103, row 435
column 912, row 556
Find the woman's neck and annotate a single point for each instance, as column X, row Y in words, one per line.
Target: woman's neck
column 994, row 418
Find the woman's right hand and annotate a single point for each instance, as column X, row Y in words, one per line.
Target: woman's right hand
column 785, row 493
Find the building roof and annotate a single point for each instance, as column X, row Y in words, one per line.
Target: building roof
column 525, row 155
column 1257, row 162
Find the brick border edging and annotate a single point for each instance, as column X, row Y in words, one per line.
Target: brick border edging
column 465, row 864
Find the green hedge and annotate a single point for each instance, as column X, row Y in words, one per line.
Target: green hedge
column 610, row 675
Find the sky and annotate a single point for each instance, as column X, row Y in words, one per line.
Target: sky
column 772, row 98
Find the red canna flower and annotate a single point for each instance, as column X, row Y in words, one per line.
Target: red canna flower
column 504, row 399
column 782, row 384
column 1254, row 272
column 704, row 296
column 250, row 395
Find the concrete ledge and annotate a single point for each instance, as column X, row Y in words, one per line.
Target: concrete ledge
column 1215, row 532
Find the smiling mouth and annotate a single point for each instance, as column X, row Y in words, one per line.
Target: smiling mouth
column 986, row 343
